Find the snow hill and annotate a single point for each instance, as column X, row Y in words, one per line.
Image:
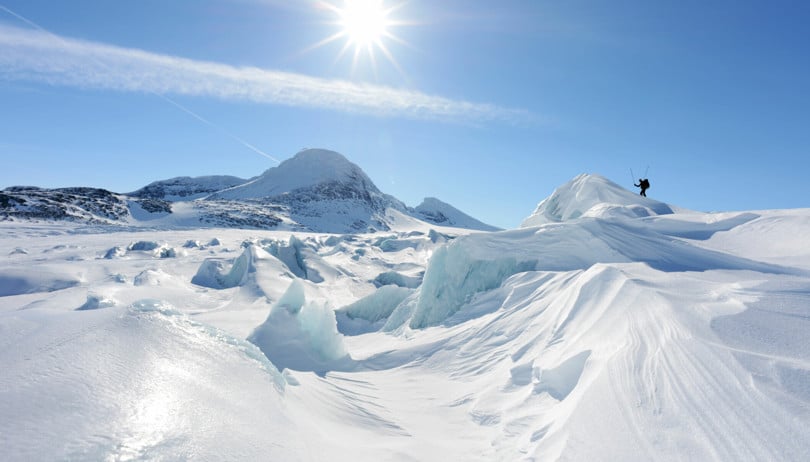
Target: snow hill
column 593, row 196
column 615, row 328
column 316, row 190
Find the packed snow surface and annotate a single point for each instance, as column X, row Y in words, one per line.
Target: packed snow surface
column 608, row 327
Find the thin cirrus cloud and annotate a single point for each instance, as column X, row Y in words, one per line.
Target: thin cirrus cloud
column 32, row 55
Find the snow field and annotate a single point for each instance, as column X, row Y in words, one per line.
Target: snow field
column 614, row 331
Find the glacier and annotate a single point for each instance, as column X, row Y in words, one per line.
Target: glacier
column 607, row 327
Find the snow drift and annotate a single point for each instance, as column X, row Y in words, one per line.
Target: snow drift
column 593, row 196
column 301, row 335
column 610, row 329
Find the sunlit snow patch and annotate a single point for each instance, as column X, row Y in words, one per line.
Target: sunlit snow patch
column 175, row 317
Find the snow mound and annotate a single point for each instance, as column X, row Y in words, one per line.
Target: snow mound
column 215, row 273
column 394, row 244
column 560, row 381
column 153, row 277
column 593, row 196
column 115, row 252
column 397, row 279
column 95, row 302
column 18, row 251
column 257, row 274
column 301, row 335
column 143, row 246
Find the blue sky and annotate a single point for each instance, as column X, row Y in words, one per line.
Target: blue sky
column 486, row 105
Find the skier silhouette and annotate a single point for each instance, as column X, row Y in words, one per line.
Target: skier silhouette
column 644, row 184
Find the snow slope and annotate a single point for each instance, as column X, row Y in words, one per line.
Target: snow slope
column 592, row 195
column 638, row 335
column 186, row 188
column 433, row 210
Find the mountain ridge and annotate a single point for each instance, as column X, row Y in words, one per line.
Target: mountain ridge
column 316, row 190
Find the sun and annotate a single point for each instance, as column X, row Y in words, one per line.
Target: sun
column 365, row 25
column 365, row 22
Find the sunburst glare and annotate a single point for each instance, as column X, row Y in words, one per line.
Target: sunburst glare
column 365, row 25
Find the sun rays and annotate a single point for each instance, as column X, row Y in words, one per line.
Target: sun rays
column 365, row 26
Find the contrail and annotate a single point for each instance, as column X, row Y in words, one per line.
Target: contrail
column 211, row 124
column 159, row 95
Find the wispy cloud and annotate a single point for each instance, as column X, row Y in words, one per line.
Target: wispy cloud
column 32, row 55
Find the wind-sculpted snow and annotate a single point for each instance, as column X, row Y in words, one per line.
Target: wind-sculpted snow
column 593, row 196
column 397, row 279
column 301, row 335
column 16, row 282
column 480, row 262
column 370, row 313
column 95, row 302
column 452, row 277
column 213, row 273
column 292, row 255
column 621, row 334
column 135, row 383
column 251, row 270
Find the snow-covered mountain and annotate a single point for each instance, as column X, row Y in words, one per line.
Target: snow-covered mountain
column 321, row 190
column 316, row 190
column 81, row 205
column 186, row 188
column 433, row 210
column 310, row 168
column 611, row 329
